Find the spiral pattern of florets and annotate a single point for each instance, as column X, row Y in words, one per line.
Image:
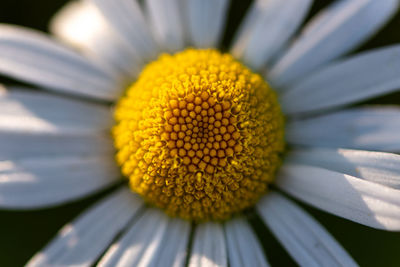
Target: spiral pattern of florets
column 199, row 135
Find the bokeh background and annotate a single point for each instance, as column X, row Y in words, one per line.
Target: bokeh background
column 24, row 233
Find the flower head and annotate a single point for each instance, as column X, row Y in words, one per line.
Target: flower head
column 200, row 133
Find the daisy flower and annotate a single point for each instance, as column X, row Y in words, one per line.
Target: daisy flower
column 142, row 91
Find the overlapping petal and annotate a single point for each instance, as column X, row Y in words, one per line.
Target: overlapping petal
column 82, row 25
column 243, row 247
column 303, row 237
column 29, row 111
column 209, row 248
column 378, row 167
column 35, row 58
column 127, row 20
column 266, row 28
column 81, row 242
column 336, row 30
column 167, row 23
column 355, row 199
column 352, row 80
column 153, row 234
column 371, row 128
column 206, row 21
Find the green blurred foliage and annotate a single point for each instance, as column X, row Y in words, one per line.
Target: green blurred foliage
column 24, row 233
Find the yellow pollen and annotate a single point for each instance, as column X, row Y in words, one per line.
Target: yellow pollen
column 199, row 135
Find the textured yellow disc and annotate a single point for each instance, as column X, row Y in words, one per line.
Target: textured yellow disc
column 199, row 135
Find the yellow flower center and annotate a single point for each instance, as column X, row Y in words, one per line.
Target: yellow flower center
column 199, row 135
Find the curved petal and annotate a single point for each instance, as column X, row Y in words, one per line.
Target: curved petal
column 35, row 124
column 359, row 128
column 153, row 234
column 266, row 28
column 346, row 196
column 243, row 247
column 378, row 167
column 42, row 182
column 206, row 20
column 17, row 145
column 303, row 237
column 127, row 20
column 167, row 22
column 33, row 57
column 361, row 77
column 82, row 242
column 47, row 155
column 208, row 246
column 42, row 113
column 81, row 24
column 335, row 31
column 173, row 248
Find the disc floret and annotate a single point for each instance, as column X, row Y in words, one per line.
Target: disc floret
column 199, row 135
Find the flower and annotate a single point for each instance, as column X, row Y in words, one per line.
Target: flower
column 54, row 148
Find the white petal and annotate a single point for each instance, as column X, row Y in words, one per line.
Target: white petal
column 33, row 57
column 302, row 236
column 167, row 22
column 335, row 31
column 80, row 24
column 53, row 149
column 82, row 242
column 47, row 181
column 243, row 246
column 51, row 126
column 173, row 248
column 23, row 111
column 206, row 19
column 126, row 18
column 16, row 145
column 139, row 243
column 266, row 28
column 359, row 128
column 358, row 78
column 378, row 167
column 208, row 246
column 346, row 196
column 154, row 240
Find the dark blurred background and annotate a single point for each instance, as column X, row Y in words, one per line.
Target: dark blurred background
column 24, row 233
